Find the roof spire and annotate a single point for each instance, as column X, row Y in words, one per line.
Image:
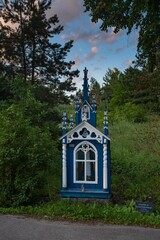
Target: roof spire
column 85, row 86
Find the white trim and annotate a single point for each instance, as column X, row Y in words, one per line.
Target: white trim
column 85, row 161
column 64, row 166
column 87, row 125
column 105, row 182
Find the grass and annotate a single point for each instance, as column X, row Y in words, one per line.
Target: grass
column 87, row 212
column 135, row 150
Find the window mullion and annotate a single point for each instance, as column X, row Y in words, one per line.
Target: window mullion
column 85, row 154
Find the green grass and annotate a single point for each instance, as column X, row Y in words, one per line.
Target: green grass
column 135, row 151
column 87, row 212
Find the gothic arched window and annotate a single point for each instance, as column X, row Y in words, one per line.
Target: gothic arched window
column 85, row 163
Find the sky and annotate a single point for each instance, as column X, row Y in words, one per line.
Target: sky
column 93, row 48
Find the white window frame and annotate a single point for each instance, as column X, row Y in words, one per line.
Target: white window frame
column 88, row 110
column 85, row 162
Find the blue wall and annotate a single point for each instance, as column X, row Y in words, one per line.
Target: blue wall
column 70, row 165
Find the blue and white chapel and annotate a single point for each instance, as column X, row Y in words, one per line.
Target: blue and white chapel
column 85, row 152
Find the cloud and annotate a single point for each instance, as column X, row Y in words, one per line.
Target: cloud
column 67, row 10
column 96, row 69
column 94, row 50
column 78, row 60
column 92, row 53
column 92, row 36
column 78, row 34
column 102, row 58
column 98, row 36
column 111, row 37
column 121, row 48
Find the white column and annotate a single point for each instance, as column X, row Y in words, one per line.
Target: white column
column 105, row 177
column 64, row 166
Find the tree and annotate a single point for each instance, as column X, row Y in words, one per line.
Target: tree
column 131, row 93
column 27, row 46
column 111, row 76
column 120, row 95
column 95, row 89
column 132, row 14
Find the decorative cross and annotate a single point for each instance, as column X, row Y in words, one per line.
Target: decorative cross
column 85, row 73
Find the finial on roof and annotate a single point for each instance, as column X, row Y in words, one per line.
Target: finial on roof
column 85, row 72
column 85, row 86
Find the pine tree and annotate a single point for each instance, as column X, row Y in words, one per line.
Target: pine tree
column 27, row 47
column 95, row 89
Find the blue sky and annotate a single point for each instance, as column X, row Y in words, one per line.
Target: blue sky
column 93, row 48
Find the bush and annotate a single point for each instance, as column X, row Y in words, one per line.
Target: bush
column 128, row 111
column 28, row 154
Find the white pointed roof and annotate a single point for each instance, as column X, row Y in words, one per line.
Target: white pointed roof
column 84, row 131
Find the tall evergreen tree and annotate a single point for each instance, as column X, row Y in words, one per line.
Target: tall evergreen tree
column 133, row 86
column 111, row 76
column 95, row 89
column 27, row 47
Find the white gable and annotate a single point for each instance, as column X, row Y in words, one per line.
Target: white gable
column 84, row 131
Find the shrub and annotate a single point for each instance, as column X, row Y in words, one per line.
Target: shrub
column 128, row 111
column 28, row 156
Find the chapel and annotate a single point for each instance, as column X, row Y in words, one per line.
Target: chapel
column 85, row 151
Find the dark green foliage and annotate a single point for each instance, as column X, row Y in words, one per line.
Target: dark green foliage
column 131, row 94
column 5, row 91
column 27, row 49
column 29, row 155
column 34, row 78
column 95, row 89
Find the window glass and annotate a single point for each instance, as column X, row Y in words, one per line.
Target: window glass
column 79, row 171
column 90, row 155
column 80, row 155
column 90, row 171
column 85, row 163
